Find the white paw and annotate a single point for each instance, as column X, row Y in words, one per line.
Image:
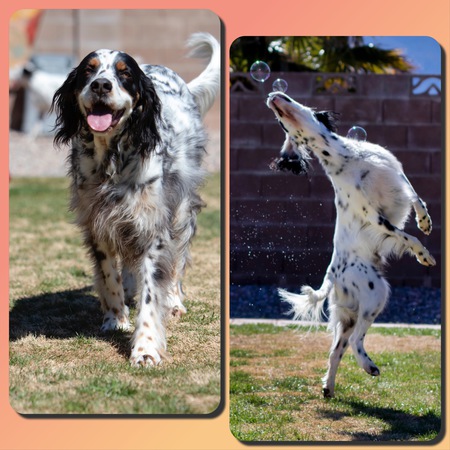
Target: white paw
column 425, row 258
column 119, row 321
column 144, row 355
column 176, row 307
column 424, row 223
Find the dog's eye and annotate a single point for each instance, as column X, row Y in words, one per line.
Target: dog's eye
column 125, row 74
column 89, row 70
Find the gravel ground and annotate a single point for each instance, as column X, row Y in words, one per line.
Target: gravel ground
column 406, row 304
column 35, row 157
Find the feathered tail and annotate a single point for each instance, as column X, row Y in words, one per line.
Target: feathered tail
column 205, row 87
column 308, row 306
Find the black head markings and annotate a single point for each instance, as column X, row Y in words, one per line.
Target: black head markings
column 282, row 126
column 328, row 118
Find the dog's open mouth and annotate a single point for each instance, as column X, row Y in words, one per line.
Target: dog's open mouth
column 272, row 100
column 271, row 104
column 278, row 110
column 101, row 117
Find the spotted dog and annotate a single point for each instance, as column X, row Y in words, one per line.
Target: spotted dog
column 373, row 199
column 137, row 143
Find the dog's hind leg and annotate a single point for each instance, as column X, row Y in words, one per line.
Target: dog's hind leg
column 175, row 300
column 183, row 230
column 129, row 284
column 357, row 343
column 343, row 326
column 373, row 297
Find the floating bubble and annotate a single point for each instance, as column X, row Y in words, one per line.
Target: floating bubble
column 357, row 133
column 260, row 71
column 279, row 85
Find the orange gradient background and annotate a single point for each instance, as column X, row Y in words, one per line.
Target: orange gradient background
column 240, row 18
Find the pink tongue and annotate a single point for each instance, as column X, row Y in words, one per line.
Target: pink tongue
column 99, row 122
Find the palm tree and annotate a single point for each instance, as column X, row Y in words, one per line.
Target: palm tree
column 344, row 54
column 332, row 54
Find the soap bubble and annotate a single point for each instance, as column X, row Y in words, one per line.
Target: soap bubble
column 280, row 85
column 357, row 133
column 260, row 71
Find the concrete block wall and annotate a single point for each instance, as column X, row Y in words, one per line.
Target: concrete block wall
column 155, row 36
column 151, row 36
column 281, row 225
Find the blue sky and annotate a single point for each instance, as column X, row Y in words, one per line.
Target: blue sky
column 422, row 51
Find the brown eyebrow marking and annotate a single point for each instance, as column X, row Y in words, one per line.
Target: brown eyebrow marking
column 120, row 65
column 94, row 62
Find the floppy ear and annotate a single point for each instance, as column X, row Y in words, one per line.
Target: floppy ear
column 328, row 118
column 288, row 148
column 289, row 160
column 144, row 121
column 68, row 114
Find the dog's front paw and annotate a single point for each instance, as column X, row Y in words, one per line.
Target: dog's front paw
column 425, row 258
column 144, row 356
column 424, row 223
column 116, row 321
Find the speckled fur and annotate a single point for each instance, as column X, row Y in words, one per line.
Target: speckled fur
column 373, row 200
column 134, row 187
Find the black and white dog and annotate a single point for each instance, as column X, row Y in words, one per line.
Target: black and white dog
column 373, row 200
column 137, row 142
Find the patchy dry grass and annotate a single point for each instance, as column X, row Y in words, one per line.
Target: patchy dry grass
column 59, row 361
column 275, row 387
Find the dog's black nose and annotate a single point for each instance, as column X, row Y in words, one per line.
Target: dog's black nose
column 101, row 86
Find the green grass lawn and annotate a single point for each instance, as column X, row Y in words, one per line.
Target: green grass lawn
column 59, row 361
column 275, row 387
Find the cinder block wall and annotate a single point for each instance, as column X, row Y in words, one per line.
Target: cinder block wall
column 282, row 225
column 153, row 36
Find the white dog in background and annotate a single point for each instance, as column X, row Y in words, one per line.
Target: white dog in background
column 40, row 87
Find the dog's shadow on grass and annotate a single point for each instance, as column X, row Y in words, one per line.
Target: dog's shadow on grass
column 400, row 425
column 63, row 315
